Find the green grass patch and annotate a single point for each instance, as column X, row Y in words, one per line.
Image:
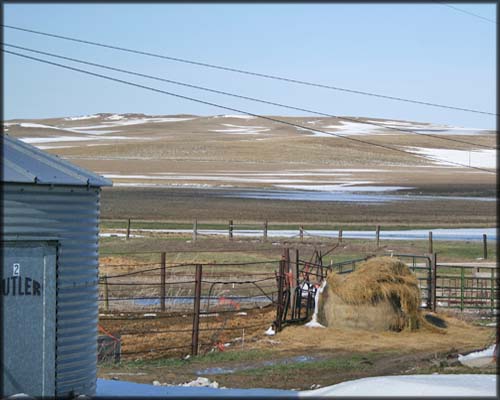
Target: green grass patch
column 344, row 363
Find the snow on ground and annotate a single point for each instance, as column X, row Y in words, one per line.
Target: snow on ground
column 115, row 117
column 313, row 323
column 478, row 358
column 354, row 128
column 211, row 178
column 241, row 116
column 133, row 121
column 464, row 385
column 241, row 130
column 474, row 158
column 82, row 117
column 345, row 187
column 52, row 139
column 43, row 147
column 168, row 185
column 74, row 130
column 116, row 121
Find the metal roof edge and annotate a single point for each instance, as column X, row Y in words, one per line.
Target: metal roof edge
column 82, row 176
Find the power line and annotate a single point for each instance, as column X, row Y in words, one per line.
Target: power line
column 466, row 12
column 239, row 111
column 433, row 136
column 241, row 71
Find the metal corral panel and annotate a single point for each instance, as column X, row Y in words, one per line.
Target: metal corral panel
column 29, row 318
column 70, row 214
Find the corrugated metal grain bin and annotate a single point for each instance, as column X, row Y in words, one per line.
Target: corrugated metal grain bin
column 50, row 211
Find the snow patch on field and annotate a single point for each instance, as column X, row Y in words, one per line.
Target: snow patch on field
column 241, row 130
column 43, row 147
column 241, row 116
column 81, row 117
column 475, row 158
column 345, row 187
column 354, row 128
column 210, row 178
column 74, row 130
column 170, row 185
column 34, row 140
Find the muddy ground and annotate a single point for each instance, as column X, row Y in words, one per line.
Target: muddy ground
column 208, row 205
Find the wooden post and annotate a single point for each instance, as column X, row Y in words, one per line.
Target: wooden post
column 340, row 235
column 106, row 292
column 485, row 246
column 286, row 253
column 301, row 233
column 196, row 316
column 230, row 229
column 195, row 230
column 264, row 234
column 162, row 280
column 431, row 247
column 128, row 229
column 377, row 236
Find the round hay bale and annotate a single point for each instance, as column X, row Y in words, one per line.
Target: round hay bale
column 381, row 294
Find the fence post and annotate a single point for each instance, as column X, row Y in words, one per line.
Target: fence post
column 431, row 247
column 485, row 246
column 279, row 305
column 162, row 279
column 196, row 316
column 230, row 229
column 462, row 279
column 293, row 284
column 377, row 235
column 301, row 233
column 106, row 292
column 340, row 235
column 433, row 282
column 128, row 228
column 264, row 234
column 195, row 230
column 492, row 288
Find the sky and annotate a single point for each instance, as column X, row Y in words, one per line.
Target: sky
column 427, row 52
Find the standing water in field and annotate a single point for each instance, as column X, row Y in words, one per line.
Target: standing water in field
column 313, row 323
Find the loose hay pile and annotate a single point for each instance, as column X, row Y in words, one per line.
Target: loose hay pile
column 381, row 294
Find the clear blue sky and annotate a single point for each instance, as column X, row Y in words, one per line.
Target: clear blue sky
column 428, row 52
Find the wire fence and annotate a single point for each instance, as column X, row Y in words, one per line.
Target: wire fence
column 147, row 228
column 194, row 308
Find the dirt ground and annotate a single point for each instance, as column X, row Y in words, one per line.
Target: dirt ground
column 209, row 205
column 299, row 357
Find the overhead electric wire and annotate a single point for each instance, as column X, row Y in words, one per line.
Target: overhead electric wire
column 241, row 71
column 240, row 111
column 466, row 12
column 356, row 120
